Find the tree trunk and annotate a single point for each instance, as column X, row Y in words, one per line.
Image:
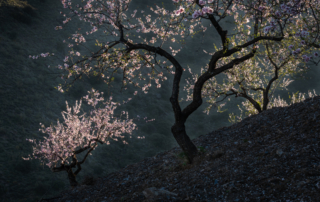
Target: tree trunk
column 72, row 178
column 184, row 141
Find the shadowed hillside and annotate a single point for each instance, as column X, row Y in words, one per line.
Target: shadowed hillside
column 272, row 156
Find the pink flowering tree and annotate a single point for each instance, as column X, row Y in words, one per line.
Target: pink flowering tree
column 80, row 134
column 261, row 24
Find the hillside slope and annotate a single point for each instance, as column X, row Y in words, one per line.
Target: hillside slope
column 272, row 156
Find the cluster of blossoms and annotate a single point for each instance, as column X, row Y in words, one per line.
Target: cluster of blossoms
column 271, row 27
column 202, row 12
column 302, row 34
column 289, row 9
column 306, row 58
column 196, row 13
column 42, row 55
column 201, row 2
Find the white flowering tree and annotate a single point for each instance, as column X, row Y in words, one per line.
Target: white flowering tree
column 257, row 79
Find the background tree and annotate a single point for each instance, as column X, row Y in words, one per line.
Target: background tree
column 277, row 66
column 234, row 49
column 257, row 85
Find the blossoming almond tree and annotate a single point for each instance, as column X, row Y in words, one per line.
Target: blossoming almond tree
column 79, row 134
column 249, row 76
column 233, row 49
column 277, row 65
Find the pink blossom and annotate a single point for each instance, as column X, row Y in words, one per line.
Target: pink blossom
column 289, row 10
column 196, row 14
column 180, row 10
column 267, row 29
column 304, row 33
column 278, row 14
column 207, row 9
column 283, row 6
column 306, row 58
column 201, row 2
column 273, row 24
column 296, row 51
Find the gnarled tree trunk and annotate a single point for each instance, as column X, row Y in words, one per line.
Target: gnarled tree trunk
column 72, row 178
column 179, row 133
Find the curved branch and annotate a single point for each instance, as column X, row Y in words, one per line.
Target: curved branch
column 197, row 100
column 237, row 48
